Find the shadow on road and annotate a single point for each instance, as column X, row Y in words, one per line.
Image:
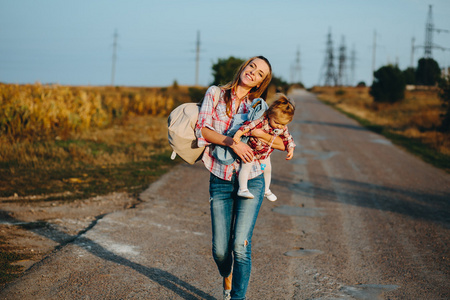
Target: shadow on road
column 433, row 207
column 161, row 277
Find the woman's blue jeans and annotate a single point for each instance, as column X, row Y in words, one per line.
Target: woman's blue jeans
column 233, row 219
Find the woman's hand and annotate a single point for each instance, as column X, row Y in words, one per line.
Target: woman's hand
column 243, row 151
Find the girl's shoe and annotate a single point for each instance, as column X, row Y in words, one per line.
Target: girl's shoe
column 245, row 194
column 270, row 196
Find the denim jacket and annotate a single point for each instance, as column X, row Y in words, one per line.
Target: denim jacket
column 257, row 108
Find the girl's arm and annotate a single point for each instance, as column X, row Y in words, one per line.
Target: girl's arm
column 267, row 138
column 241, row 149
column 237, row 136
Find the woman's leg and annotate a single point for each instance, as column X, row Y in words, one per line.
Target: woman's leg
column 246, row 212
column 222, row 204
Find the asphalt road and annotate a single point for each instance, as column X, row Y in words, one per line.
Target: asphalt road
column 357, row 218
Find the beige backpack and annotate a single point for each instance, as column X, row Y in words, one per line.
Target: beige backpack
column 181, row 124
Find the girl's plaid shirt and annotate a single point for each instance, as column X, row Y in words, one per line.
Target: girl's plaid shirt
column 261, row 149
column 218, row 120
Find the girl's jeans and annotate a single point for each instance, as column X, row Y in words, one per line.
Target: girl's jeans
column 233, row 219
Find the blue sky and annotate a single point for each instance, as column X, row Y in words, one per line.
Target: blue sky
column 71, row 42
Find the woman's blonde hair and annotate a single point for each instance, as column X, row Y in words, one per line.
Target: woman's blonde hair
column 282, row 109
column 255, row 92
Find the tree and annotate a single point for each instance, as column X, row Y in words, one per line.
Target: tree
column 410, row 75
column 444, row 94
column 428, row 72
column 224, row 69
column 388, row 85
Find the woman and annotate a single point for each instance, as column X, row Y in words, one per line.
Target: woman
column 232, row 217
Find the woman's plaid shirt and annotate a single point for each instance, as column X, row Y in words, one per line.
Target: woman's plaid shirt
column 217, row 119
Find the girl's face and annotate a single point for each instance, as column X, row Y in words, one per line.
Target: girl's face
column 277, row 123
column 254, row 73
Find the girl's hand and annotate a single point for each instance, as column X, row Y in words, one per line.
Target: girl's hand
column 243, row 151
column 290, row 154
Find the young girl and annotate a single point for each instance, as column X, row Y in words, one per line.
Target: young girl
column 274, row 121
column 233, row 217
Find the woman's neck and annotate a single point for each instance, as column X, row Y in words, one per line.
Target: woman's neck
column 241, row 91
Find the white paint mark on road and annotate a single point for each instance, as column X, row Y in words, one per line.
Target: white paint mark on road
column 298, row 211
column 368, row 291
column 303, row 252
column 382, row 141
column 169, row 228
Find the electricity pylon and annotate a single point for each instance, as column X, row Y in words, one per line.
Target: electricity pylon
column 296, row 76
column 329, row 76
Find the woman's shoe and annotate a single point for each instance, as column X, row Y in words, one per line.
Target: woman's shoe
column 227, row 287
column 270, row 196
column 226, row 294
column 245, row 194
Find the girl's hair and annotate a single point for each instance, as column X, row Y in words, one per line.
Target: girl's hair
column 255, row 92
column 282, row 109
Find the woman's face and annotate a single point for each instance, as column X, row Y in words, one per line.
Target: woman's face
column 254, row 73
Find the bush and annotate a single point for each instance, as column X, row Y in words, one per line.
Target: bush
column 196, row 94
column 428, row 72
column 444, row 94
column 410, row 75
column 389, row 85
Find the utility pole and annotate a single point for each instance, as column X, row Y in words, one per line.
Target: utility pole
column 373, row 52
column 353, row 65
column 412, row 52
column 197, row 58
column 113, row 72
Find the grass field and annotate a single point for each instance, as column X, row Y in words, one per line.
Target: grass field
column 411, row 123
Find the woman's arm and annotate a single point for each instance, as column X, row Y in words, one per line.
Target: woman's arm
column 241, row 149
column 267, row 138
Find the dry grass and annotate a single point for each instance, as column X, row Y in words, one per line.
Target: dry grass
column 85, row 141
column 39, row 112
column 416, row 117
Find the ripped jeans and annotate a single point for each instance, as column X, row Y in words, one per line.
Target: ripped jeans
column 233, row 219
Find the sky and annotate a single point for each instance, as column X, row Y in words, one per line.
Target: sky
column 71, row 42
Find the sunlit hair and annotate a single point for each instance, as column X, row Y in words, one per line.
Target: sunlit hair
column 255, row 92
column 281, row 109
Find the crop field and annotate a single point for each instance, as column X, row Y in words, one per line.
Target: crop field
column 75, row 142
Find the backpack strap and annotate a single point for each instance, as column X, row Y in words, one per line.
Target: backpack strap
column 217, row 96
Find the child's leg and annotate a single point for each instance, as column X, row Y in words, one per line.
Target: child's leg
column 267, row 179
column 267, row 172
column 244, row 173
